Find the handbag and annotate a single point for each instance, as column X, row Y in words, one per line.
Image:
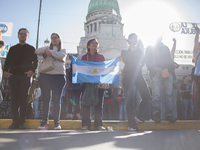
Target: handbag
column 46, row 65
column 33, row 90
column 90, row 95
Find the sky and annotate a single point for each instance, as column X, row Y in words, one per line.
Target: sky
column 147, row 18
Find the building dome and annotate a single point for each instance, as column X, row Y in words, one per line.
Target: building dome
column 96, row 5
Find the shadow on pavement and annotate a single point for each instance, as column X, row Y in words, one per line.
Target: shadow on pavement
column 99, row 140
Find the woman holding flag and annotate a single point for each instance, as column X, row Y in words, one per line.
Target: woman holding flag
column 133, row 59
column 93, row 55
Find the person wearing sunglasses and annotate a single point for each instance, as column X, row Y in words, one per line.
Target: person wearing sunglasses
column 93, row 55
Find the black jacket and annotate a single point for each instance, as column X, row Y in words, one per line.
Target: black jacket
column 133, row 60
column 159, row 56
column 20, row 59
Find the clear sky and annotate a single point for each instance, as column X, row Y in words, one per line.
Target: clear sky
column 147, row 18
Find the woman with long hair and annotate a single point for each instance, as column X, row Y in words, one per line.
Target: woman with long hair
column 52, row 81
column 133, row 59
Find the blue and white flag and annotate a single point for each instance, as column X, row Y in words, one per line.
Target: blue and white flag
column 5, row 51
column 95, row 72
column 114, row 12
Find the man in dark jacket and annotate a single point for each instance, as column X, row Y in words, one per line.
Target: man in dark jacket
column 19, row 67
column 161, row 66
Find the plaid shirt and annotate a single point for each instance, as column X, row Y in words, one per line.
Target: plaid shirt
column 95, row 58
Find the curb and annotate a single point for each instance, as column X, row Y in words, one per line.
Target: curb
column 115, row 124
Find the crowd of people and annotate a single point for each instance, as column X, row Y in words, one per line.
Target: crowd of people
column 159, row 98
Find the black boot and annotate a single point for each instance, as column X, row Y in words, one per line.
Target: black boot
column 14, row 125
column 22, row 126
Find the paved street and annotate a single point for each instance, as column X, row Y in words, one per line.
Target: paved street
column 99, row 140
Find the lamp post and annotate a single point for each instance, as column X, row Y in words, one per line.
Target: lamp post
column 38, row 29
column 46, row 42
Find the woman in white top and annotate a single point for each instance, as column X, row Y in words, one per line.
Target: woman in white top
column 53, row 80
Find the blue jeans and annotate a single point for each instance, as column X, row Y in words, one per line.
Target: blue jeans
column 54, row 83
column 19, row 85
column 157, row 95
column 36, row 110
column 150, row 110
column 174, row 102
column 188, row 109
column 122, row 110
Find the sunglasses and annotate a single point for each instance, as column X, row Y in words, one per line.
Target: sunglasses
column 93, row 42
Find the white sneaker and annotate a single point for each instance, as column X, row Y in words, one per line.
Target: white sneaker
column 133, row 128
column 57, row 127
column 85, row 128
column 100, row 128
column 140, row 120
column 43, row 126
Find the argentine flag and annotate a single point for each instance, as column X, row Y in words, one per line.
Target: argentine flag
column 95, row 72
column 114, row 12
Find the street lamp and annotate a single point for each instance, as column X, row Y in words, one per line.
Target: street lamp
column 46, row 42
column 38, row 29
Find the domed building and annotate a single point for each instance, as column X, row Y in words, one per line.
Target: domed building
column 103, row 5
column 106, row 26
column 103, row 22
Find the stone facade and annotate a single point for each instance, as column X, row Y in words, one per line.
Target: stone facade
column 108, row 30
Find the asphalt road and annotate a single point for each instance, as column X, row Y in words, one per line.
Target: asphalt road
column 99, row 140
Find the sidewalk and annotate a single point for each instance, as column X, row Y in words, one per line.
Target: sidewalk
column 117, row 125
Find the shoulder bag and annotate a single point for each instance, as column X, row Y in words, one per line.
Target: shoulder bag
column 46, row 65
column 90, row 95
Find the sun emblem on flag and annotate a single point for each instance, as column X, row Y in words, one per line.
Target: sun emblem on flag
column 94, row 71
